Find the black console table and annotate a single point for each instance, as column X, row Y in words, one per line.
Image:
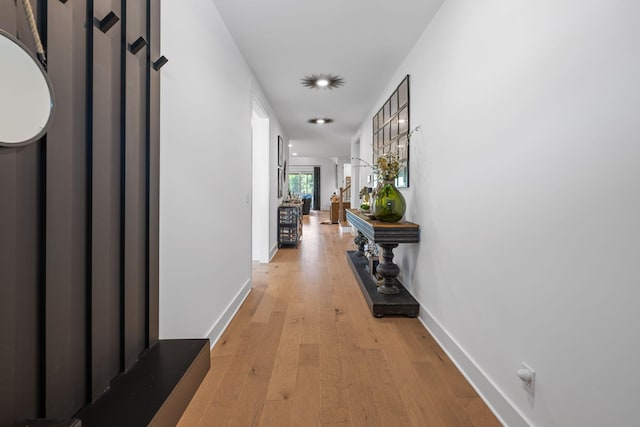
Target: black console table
column 391, row 297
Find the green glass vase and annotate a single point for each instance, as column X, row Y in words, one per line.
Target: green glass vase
column 389, row 204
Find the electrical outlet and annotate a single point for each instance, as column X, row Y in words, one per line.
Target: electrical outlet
column 528, row 377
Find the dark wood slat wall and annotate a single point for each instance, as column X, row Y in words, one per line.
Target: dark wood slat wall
column 8, row 291
column 7, row 256
column 8, row 17
column 66, row 219
column 106, row 222
column 135, row 213
column 153, row 10
column 28, row 286
column 29, row 260
column 20, row 228
column 79, row 213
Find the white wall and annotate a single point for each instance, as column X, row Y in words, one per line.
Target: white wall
column 356, row 168
column 346, row 171
column 328, row 183
column 275, row 129
column 343, row 165
column 205, row 188
column 525, row 181
column 260, row 187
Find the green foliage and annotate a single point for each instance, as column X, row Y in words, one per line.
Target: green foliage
column 301, row 183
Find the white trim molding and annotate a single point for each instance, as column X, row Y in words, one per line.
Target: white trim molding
column 499, row 404
column 223, row 321
column 273, row 252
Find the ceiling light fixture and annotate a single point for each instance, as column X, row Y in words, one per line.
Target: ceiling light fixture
column 290, row 145
column 320, row 121
column 294, row 154
column 322, row 81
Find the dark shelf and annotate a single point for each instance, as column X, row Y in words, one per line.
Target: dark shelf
column 402, row 303
column 289, row 225
column 157, row 389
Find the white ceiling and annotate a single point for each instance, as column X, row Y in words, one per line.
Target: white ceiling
column 362, row 41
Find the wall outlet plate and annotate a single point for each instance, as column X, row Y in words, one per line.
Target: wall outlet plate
column 530, row 385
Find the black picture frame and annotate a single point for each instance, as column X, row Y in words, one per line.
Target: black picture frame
column 280, row 180
column 280, row 150
column 391, row 130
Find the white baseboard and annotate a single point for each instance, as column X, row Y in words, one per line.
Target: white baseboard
column 499, row 404
column 273, row 252
column 223, row 321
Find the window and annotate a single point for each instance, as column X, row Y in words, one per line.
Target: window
column 301, row 184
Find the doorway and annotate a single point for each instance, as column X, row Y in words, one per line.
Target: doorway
column 301, row 184
column 301, row 187
column 259, row 184
column 304, row 183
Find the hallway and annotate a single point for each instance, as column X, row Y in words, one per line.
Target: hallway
column 304, row 350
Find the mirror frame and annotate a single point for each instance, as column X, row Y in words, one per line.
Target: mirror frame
column 47, row 125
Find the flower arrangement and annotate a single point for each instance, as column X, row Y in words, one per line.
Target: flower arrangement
column 387, row 167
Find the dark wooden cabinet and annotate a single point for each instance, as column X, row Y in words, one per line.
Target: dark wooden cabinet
column 289, row 224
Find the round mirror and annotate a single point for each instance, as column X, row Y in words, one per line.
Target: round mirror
column 26, row 96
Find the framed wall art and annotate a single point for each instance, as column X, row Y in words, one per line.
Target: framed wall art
column 280, row 150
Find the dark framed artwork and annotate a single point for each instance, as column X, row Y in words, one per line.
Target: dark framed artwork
column 280, row 150
column 280, row 179
column 391, row 130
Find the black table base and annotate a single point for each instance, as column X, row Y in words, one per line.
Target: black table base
column 402, row 303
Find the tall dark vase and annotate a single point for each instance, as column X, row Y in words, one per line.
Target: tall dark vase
column 389, row 204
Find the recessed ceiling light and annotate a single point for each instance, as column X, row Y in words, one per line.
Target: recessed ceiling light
column 294, row 154
column 320, row 121
column 290, row 145
column 322, row 81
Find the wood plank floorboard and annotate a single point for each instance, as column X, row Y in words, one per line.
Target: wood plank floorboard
column 304, row 350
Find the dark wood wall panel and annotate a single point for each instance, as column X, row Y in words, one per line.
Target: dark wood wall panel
column 28, row 349
column 79, row 212
column 8, row 284
column 154, row 171
column 20, row 257
column 135, row 214
column 7, row 257
column 106, row 206
column 8, row 17
column 66, row 224
column 20, row 329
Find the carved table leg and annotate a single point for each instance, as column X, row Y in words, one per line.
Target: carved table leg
column 360, row 241
column 388, row 270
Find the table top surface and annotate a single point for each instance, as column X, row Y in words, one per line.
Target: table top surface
column 384, row 232
column 379, row 224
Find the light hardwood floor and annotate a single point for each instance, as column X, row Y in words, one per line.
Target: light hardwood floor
column 304, row 350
